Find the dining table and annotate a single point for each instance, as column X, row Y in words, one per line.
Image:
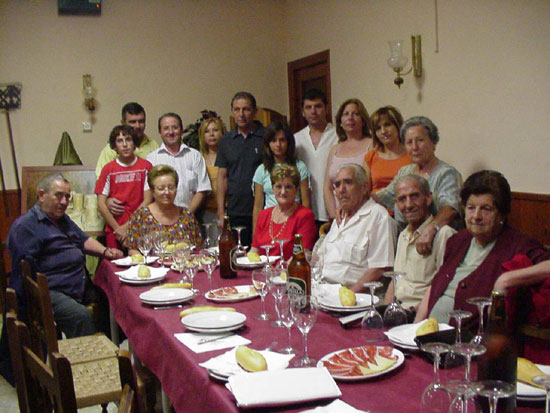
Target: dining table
column 188, row 386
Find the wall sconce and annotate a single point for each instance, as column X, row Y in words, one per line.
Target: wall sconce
column 89, row 92
column 397, row 61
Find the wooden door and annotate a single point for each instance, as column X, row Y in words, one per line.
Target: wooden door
column 303, row 74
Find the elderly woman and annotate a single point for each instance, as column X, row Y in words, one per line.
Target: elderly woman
column 389, row 154
column 279, row 148
column 420, row 137
column 477, row 256
column 354, row 141
column 162, row 214
column 287, row 217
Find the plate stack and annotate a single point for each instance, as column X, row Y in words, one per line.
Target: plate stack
column 166, row 296
column 403, row 336
column 526, row 392
column 130, row 276
column 332, row 303
column 213, row 322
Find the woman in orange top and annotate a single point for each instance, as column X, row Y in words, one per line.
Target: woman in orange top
column 389, row 154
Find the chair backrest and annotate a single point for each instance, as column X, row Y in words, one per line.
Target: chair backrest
column 11, row 312
column 39, row 310
column 3, row 279
column 128, row 382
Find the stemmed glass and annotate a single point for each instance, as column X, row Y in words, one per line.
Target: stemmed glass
column 209, row 263
column 395, row 314
column 277, row 287
column 191, row 267
column 160, row 241
column 316, row 264
column 454, row 359
column 304, row 311
column 207, row 239
column 435, row 397
column 372, row 323
column 494, row 390
column 267, row 248
column 285, row 313
column 481, row 303
column 145, row 245
column 259, row 281
column 239, row 250
column 179, row 256
column 545, row 382
column 281, row 243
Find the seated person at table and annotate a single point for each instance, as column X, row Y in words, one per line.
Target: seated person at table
column 476, row 256
column 413, row 199
column 162, row 214
column 123, row 179
column 287, row 217
column 361, row 247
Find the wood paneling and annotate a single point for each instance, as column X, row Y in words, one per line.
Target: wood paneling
column 14, row 207
column 531, row 214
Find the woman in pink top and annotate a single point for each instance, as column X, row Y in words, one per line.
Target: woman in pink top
column 354, row 141
column 389, row 154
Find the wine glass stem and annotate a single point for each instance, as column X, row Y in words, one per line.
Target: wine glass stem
column 277, row 300
column 371, row 299
column 493, row 400
column 547, row 399
column 467, row 369
column 288, row 331
column 480, row 324
column 306, row 356
column 263, row 304
column 436, row 370
column 210, row 280
column 458, row 330
column 395, row 290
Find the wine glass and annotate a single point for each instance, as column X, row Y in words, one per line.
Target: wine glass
column 180, row 254
column 277, row 287
column 395, row 314
column 209, row 263
column 285, row 313
column 160, row 241
column 481, row 303
column 494, row 390
column 145, row 245
column 239, row 250
column 304, row 311
column 281, row 243
column 454, row 359
column 207, row 240
column 259, row 281
column 267, row 248
column 372, row 323
column 435, row 397
column 191, row 267
column 545, row 382
column 316, row 265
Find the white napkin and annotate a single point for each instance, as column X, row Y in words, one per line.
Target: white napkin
column 323, row 290
column 282, row 387
column 337, row 406
column 126, row 261
column 406, row 333
column 226, row 363
column 191, row 340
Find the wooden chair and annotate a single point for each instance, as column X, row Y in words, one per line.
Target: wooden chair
column 51, row 387
column 11, row 309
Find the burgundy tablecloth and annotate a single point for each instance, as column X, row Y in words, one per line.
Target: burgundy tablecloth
column 188, row 386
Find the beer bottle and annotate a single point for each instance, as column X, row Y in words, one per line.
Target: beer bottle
column 226, row 243
column 501, row 358
column 299, row 271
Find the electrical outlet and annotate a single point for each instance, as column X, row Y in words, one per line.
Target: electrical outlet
column 86, row 126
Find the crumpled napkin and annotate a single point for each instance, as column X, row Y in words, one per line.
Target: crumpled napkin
column 226, row 364
column 337, row 406
column 191, row 340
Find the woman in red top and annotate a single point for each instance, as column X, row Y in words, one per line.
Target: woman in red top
column 287, row 217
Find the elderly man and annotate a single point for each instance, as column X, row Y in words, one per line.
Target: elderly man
column 361, row 247
column 193, row 183
column 413, row 199
column 56, row 247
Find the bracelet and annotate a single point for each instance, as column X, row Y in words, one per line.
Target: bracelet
column 436, row 226
column 104, row 251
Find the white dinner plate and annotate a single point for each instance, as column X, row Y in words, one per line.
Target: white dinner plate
column 395, row 352
column 127, row 261
column 244, row 293
column 213, row 320
column 215, row 330
column 217, row 375
column 530, row 393
column 332, row 303
column 405, row 334
column 245, row 262
column 166, row 296
column 130, row 275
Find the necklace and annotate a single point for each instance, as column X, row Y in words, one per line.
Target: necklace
column 273, row 238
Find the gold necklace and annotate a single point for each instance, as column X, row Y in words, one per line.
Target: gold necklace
column 273, row 238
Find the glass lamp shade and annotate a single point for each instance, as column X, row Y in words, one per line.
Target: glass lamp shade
column 396, row 61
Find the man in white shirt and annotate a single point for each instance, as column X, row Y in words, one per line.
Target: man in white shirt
column 313, row 144
column 361, row 247
column 413, row 199
column 188, row 162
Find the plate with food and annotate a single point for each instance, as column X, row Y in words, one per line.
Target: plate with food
column 526, row 389
column 252, row 260
column 214, row 321
column 232, row 294
column 135, row 259
column 346, row 301
column 166, row 296
column 361, row 363
column 405, row 334
column 142, row 274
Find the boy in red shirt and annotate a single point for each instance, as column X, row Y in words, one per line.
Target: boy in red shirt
column 123, row 179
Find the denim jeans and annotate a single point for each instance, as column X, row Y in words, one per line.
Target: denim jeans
column 71, row 317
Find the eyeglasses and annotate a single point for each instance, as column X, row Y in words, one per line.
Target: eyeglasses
column 169, row 188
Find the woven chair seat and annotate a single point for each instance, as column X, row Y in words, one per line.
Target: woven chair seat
column 96, row 382
column 87, row 348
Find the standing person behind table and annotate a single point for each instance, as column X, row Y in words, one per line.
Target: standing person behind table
column 162, row 214
column 413, row 199
column 123, row 179
column 188, row 162
column 287, row 217
column 313, row 145
column 388, row 154
column 279, row 148
column 210, row 133
column 354, row 136
column 239, row 154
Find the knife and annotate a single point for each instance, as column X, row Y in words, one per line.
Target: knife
column 167, row 307
column 210, row 340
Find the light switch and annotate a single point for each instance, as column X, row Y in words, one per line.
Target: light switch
column 86, row 126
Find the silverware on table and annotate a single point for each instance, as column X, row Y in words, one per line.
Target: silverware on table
column 167, row 307
column 210, row 340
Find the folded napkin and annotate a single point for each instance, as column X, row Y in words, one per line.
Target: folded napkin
column 282, row 387
column 192, row 340
column 226, row 364
column 323, row 290
column 337, row 406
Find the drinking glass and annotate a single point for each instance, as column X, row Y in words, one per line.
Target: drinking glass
column 259, row 281
column 145, row 245
column 191, row 267
column 372, row 324
column 207, row 240
column 277, row 287
column 316, row 264
column 267, row 248
column 454, row 359
column 435, row 397
column 181, row 251
column 395, row 314
column 285, row 313
column 481, row 303
column 494, row 390
column 239, row 250
column 281, row 243
column 545, row 382
column 304, row 311
column 160, row 241
column 209, row 261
